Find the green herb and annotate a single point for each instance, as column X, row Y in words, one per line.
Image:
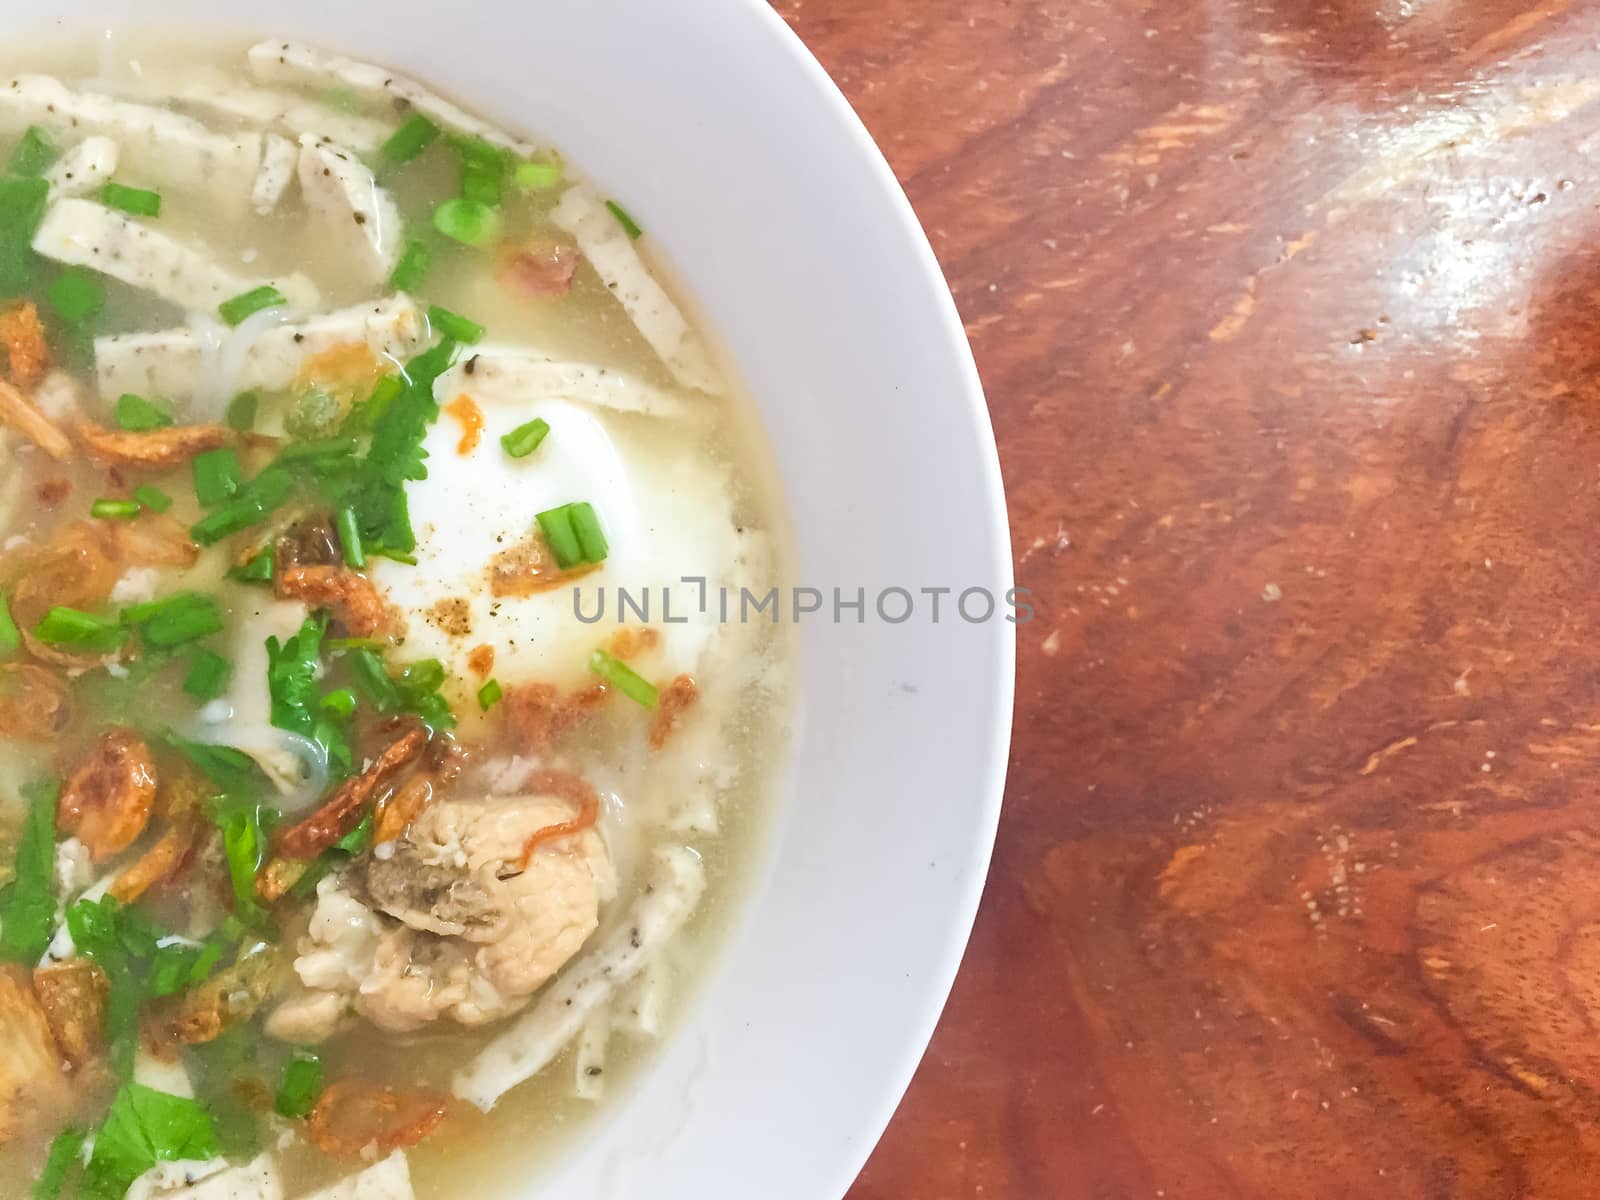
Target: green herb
column 261, row 496
column 374, row 679
column 489, row 695
column 138, row 415
column 244, row 844
column 27, row 917
column 243, row 305
column 257, row 570
column 114, row 510
column 152, row 497
column 34, row 153
column 574, row 534
column 629, row 225
column 208, row 675
column 453, row 325
column 175, row 620
column 82, row 631
column 242, row 411
column 217, row 476
column 419, row 686
column 341, row 703
column 350, row 538
column 10, row 635
column 292, row 669
column 469, row 222
column 359, row 838
column 483, row 180
column 76, row 295
column 141, row 202
column 234, row 771
column 22, row 203
column 412, row 268
column 58, row 1164
column 142, row 1128
column 592, row 539
column 524, row 439
column 302, row 1084
column 410, row 140
column 536, row 176
column 624, row 678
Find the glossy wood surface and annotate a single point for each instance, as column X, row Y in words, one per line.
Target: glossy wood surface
column 1289, row 316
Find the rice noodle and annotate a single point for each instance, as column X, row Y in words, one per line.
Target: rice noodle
column 590, row 1060
column 278, row 752
column 223, row 352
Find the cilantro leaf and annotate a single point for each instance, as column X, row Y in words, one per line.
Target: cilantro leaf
column 142, row 1128
column 27, row 918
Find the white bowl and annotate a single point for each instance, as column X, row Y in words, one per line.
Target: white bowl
column 712, row 121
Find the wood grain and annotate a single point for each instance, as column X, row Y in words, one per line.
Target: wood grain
column 1289, row 317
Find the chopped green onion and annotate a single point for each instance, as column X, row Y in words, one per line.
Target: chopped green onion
column 399, row 556
column 208, row 674
column 243, row 305
column 34, row 153
column 625, row 220
column 138, row 415
column 412, row 268
column 374, row 679
column 175, row 620
column 242, row 411
column 358, row 839
column 63, row 626
column 592, row 539
column 467, row 221
column 410, row 140
column 141, row 202
column 217, row 476
column 76, row 295
column 556, row 525
column 524, row 439
column 260, row 496
column 152, row 497
column 114, row 510
column 350, row 538
column 453, row 324
column 535, row 176
column 58, row 1164
column 302, row 1084
column 22, row 204
column 489, row 695
column 257, row 570
column 483, row 180
column 10, row 635
column 341, row 703
column 624, row 678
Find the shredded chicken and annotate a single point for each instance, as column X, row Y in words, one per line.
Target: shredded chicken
column 106, row 802
column 353, row 599
column 19, row 413
column 168, row 447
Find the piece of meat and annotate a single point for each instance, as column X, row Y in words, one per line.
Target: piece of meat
column 19, row 413
column 352, row 1116
column 541, row 267
column 106, row 802
column 72, row 995
column 480, row 935
column 334, row 956
column 353, row 599
column 169, row 447
column 343, row 812
column 307, row 1017
column 33, row 702
column 27, row 350
column 675, row 697
column 31, row 1080
column 230, row 997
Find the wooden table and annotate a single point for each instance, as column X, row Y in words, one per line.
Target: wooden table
column 1289, row 316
